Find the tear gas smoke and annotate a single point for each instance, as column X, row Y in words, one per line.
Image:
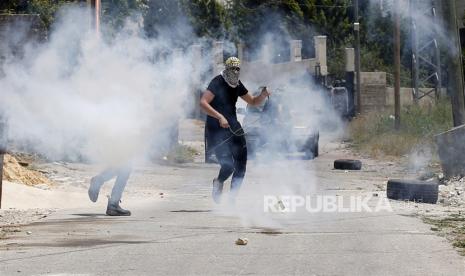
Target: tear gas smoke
column 279, row 170
column 80, row 96
column 427, row 29
column 109, row 102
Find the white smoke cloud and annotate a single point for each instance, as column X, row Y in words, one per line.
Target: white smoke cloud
column 80, row 96
column 278, row 171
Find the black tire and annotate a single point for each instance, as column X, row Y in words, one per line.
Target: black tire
column 348, row 164
column 309, row 155
column 412, row 190
column 315, row 151
column 315, row 146
column 311, row 148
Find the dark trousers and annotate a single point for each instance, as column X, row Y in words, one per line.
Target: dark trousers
column 232, row 156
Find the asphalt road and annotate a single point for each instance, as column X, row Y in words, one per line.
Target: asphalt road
column 184, row 233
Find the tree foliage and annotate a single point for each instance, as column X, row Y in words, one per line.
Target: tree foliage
column 208, row 18
column 248, row 21
column 115, row 12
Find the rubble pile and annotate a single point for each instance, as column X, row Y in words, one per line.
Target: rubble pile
column 452, row 192
column 13, row 171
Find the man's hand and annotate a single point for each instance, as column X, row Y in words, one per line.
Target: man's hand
column 223, row 122
column 265, row 92
column 257, row 100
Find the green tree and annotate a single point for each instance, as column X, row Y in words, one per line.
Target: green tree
column 208, row 18
column 46, row 9
column 115, row 12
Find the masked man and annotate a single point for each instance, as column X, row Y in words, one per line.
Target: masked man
column 226, row 134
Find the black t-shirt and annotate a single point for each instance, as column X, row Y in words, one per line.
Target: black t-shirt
column 224, row 101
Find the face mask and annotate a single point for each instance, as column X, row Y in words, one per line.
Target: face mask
column 231, row 76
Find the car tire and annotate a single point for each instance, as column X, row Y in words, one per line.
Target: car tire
column 348, row 164
column 412, row 190
column 316, row 146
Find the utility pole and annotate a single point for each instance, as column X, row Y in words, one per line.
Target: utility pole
column 415, row 61
column 357, row 57
column 96, row 7
column 2, row 152
column 454, row 62
column 396, row 15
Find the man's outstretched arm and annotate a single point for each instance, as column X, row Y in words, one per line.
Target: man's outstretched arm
column 205, row 101
column 257, row 100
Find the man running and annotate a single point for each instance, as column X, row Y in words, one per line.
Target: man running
column 122, row 176
column 224, row 131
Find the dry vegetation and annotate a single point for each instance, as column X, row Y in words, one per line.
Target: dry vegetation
column 374, row 133
column 451, row 227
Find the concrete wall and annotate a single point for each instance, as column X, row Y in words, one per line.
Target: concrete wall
column 263, row 72
column 373, row 91
column 376, row 95
column 406, row 96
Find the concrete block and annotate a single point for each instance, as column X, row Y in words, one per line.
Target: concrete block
column 240, row 51
column 350, row 59
column 451, row 150
column 218, row 59
column 296, row 50
column 320, row 53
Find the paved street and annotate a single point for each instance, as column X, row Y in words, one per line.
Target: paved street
column 182, row 232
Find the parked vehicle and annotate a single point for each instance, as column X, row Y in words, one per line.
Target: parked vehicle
column 340, row 101
column 276, row 127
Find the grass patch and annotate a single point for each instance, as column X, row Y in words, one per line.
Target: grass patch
column 375, row 134
column 451, row 227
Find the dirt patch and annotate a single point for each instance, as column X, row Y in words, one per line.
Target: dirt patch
column 12, row 220
column 17, row 172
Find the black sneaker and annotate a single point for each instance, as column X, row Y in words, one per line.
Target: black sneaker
column 116, row 210
column 94, row 188
column 217, row 190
